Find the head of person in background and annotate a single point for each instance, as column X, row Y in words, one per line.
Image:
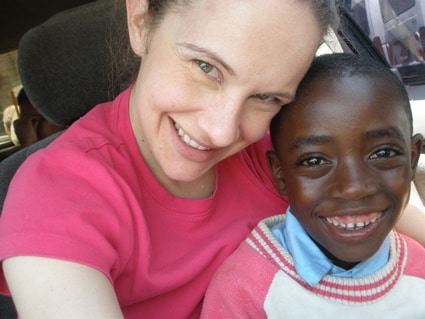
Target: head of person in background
column 10, row 114
column 31, row 126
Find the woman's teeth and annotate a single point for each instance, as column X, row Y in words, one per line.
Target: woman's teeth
column 187, row 140
column 351, row 225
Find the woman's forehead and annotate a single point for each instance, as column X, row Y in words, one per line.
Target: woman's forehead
column 256, row 39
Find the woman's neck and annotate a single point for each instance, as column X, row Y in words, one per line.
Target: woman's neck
column 202, row 187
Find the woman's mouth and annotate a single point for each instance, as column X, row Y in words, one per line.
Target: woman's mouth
column 187, row 140
column 355, row 222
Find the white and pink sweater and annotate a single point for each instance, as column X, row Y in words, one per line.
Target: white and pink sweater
column 259, row 281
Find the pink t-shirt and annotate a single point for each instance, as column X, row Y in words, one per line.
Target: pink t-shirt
column 90, row 198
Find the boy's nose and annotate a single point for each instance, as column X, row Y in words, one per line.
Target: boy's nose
column 353, row 180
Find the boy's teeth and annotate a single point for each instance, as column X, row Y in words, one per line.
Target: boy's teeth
column 185, row 138
column 351, row 225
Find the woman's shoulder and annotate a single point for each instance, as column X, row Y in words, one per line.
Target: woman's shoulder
column 108, row 122
column 105, row 130
column 94, row 148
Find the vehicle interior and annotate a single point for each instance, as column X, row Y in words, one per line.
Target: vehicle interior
column 60, row 51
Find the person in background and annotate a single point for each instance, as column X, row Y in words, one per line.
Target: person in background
column 31, row 126
column 345, row 157
column 25, row 125
column 10, row 114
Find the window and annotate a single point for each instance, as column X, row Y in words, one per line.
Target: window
column 392, row 8
column 397, row 30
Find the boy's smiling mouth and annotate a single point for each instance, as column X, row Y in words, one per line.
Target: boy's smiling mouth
column 353, row 222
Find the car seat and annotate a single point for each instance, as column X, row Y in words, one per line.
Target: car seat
column 65, row 66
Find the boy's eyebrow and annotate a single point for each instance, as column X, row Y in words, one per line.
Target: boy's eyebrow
column 304, row 141
column 394, row 132
column 310, row 140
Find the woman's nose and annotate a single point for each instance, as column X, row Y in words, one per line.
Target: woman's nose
column 221, row 122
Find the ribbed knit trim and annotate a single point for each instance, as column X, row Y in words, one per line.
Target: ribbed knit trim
column 344, row 290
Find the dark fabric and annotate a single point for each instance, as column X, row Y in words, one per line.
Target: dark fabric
column 6, row 153
column 65, row 63
column 7, row 308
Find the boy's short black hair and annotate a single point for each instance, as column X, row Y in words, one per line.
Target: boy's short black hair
column 340, row 65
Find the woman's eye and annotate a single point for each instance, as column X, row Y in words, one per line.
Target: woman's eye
column 207, row 68
column 268, row 98
column 263, row 97
column 384, row 153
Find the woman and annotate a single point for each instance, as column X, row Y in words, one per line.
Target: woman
column 148, row 194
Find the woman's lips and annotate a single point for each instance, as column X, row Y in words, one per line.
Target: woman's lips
column 187, row 140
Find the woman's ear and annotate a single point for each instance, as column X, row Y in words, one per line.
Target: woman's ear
column 276, row 171
column 417, row 146
column 137, row 13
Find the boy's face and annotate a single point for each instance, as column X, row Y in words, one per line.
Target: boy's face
column 346, row 162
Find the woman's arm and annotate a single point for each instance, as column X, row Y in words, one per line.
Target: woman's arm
column 49, row 288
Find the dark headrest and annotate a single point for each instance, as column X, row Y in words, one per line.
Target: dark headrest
column 65, row 63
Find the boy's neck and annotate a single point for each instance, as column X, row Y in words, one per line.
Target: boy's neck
column 347, row 265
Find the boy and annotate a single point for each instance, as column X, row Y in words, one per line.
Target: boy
column 345, row 157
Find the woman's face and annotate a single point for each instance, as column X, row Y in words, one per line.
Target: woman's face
column 212, row 77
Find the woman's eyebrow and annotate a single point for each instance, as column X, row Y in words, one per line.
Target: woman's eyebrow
column 208, row 52
column 216, row 57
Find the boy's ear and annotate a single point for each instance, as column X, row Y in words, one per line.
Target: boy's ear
column 417, row 146
column 137, row 15
column 276, row 171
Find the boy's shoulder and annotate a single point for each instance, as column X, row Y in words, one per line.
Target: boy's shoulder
column 240, row 285
column 415, row 263
column 244, row 265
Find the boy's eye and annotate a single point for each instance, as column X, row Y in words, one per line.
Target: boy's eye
column 313, row 161
column 384, row 153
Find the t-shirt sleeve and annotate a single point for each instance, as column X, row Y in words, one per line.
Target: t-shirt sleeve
column 67, row 206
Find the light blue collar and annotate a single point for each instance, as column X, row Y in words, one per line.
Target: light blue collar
column 311, row 263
